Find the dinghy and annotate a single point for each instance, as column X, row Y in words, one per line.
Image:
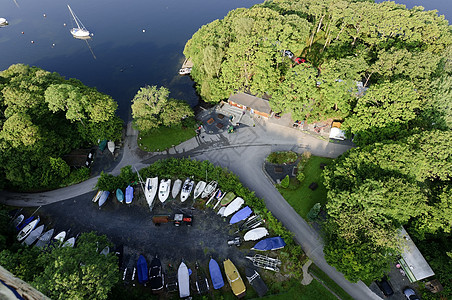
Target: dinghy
column 18, row 220
column 209, row 189
column 103, row 198
column 45, row 238
column 233, row 206
column 241, row 215
column 227, row 199
column 129, row 194
column 119, row 195
column 176, row 188
column 97, row 196
column 69, row 243
column 142, row 270
column 111, row 146
column 199, row 189
column 256, row 282
column 27, row 230
column 183, row 279
column 164, row 189
column 156, row 280
column 59, row 238
column 234, row 279
column 34, row 235
column 255, row 234
column 273, row 243
column 186, row 189
column 215, row 274
column 151, row 190
column 25, row 223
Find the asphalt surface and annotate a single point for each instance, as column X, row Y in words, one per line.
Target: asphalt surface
column 242, row 152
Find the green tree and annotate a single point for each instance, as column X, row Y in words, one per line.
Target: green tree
column 175, row 111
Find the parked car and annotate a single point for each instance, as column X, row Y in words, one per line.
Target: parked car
column 385, row 287
column 410, row 294
column 299, row 60
column 288, row 54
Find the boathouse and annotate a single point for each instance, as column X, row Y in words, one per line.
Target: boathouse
column 253, row 104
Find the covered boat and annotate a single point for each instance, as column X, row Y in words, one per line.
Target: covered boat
column 255, row 234
column 176, row 188
column 129, row 194
column 183, row 279
column 273, row 243
column 27, row 230
column 215, row 274
column 256, row 282
column 164, row 189
column 227, row 199
column 44, row 239
column 152, row 186
column 209, row 189
column 34, row 235
column 199, row 189
column 233, row 206
column 186, row 189
column 234, row 279
column 142, row 269
column 156, row 279
column 119, row 195
column 241, row 215
column 70, row 242
column 103, row 198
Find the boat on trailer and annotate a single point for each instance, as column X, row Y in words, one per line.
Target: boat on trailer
column 256, row 282
column 252, row 222
column 202, row 284
column 265, row 262
column 209, row 189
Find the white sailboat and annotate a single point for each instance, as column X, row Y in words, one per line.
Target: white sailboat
column 80, row 31
column 150, row 190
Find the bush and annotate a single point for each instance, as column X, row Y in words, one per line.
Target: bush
column 285, row 182
column 285, row 157
column 314, row 212
column 300, row 176
column 303, row 161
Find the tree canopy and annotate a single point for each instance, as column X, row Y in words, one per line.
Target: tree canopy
column 43, row 116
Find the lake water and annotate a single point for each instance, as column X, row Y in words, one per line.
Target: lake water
column 126, row 58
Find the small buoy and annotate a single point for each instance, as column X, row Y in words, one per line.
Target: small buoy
column 44, row 15
column 32, row 42
column 92, row 34
column 23, row 32
column 64, row 24
column 144, row 30
column 53, row 45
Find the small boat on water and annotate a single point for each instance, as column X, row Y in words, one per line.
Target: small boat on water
column 186, row 189
column 184, row 71
column 227, row 199
column 3, row 22
column 233, row 206
column 103, row 198
column 215, row 274
column 256, row 282
column 209, row 189
column 18, row 220
column 111, row 146
column 164, row 189
column 176, row 188
column 150, row 190
column 44, row 239
column 70, row 242
column 199, row 189
column 129, row 194
column 142, row 270
column 234, row 279
column 119, row 195
column 80, row 31
column 156, row 279
column 241, row 215
column 34, row 235
column 25, row 223
column 27, row 230
column 273, row 243
column 97, row 196
column 183, row 278
column 255, row 234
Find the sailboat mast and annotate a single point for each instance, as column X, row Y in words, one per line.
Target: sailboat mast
column 73, row 16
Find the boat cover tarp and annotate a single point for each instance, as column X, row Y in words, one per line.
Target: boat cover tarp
column 256, row 282
column 272, row 243
column 142, row 269
column 155, row 275
column 183, row 279
column 241, row 215
column 255, row 234
column 119, row 195
column 215, row 274
column 129, row 194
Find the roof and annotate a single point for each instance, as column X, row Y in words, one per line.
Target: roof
column 416, row 263
column 337, row 134
column 250, row 101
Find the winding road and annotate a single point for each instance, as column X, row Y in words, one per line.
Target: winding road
column 243, row 153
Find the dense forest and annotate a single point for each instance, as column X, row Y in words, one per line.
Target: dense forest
column 44, row 116
column 400, row 116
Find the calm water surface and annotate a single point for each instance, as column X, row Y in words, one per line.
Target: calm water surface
column 126, row 58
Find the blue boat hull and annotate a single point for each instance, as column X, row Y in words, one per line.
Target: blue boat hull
column 215, row 274
column 142, row 269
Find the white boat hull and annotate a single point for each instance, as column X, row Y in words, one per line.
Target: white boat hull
column 199, row 189
column 233, row 206
column 186, row 189
column 110, row 144
column 255, row 234
column 79, row 33
column 164, row 189
column 34, row 235
column 176, row 188
column 27, row 230
column 150, row 190
column 183, row 279
column 209, row 189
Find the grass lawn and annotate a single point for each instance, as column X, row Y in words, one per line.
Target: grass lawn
column 313, row 269
column 164, row 138
column 305, row 292
column 303, row 198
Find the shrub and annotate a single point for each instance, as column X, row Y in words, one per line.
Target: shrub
column 285, row 157
column 303, row 161
column 285, row 182
column 300, row 176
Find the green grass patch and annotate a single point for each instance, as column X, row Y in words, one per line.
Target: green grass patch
column 303, row 198
column 313, row 269
column 314, row 290
column 164, row 138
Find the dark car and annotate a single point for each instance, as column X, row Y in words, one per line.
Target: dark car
column 385, row 287
column 410, row 294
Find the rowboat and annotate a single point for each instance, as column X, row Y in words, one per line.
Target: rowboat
column 18, row 220
column 186, row 189
column 199, row 189
column 273, row 243
column 176, row 188
column 227, row 199
column 119, row 195
column 156, row 280
column 70, row 242
column 233, row 206
column 129, row 194
column 183, row 279
column 215, row 274
column 111, row 146
column 103, row 198
column 164, row 189
column 97, row 196
column 256, row 282
column 234, row 279
column 27, row 230
column 34, row 235
column 255, row 234
column 142, row 269
column 209, row 189
column 241, row 215
column 151, row 190
column 44, row 239
column 59, row 238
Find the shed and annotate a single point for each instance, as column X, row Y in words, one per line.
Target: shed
column 252, row 103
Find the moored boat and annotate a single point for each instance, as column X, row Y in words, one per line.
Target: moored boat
column 255, row 234
column 80, row 31
column 3, row 22
column 176, row 188
column 186, row 189
column 119, row 195
column 256, row 282
column 58, row 239
column 209, row 189
column 273, row 243
column 184, row 71
column 241, row 215
column 200, row 186
column 34, row 235
column 150, row 190
column 233, row 206
column 44, row 239
column 27, row 230
column 142, row 270
column 103, row 198
column 164, row 189
column 215, row 274
column 129, row 194
column 227, row 199
column 183, row 279
column 234, row 279
column 156, row 279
